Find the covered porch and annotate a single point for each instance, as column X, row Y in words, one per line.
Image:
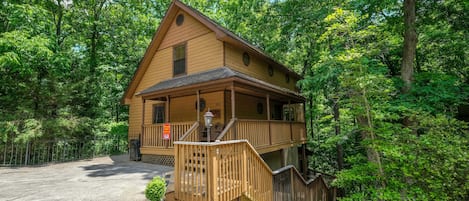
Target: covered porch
column 268, row 116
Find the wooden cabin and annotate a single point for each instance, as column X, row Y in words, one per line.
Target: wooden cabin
column 193, row 65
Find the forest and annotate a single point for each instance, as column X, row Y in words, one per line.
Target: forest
column 386, row 81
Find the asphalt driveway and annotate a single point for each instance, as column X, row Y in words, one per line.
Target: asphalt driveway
column 106, row 178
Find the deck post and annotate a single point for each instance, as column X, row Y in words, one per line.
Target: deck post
column 233, row 109
column 198, row 105
column 143, row 121
column 268, row 118
column 290, row 120
column 214, row 174
column 177, row 170
column 167, row 109
column 244, row 174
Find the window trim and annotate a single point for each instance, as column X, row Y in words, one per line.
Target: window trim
column 185, row 59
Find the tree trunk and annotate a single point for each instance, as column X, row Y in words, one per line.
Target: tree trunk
column 340, row 150
column 410, row 45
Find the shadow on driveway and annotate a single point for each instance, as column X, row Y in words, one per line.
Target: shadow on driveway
column 105, row 178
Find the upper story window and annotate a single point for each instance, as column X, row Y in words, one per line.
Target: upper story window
column 179, row 60
column 270, row 69
column 246, row 59
column 179, row 19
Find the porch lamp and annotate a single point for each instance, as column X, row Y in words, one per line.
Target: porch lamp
column 208, row 116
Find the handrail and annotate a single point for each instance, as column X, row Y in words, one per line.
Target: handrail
column 293, row 168
column 226, row 170
column 192, row 128
column 227, row 128
column 320, row 172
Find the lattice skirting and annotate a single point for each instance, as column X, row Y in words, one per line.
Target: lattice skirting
column 158, row 159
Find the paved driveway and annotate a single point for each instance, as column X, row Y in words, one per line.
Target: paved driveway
column 106, row 178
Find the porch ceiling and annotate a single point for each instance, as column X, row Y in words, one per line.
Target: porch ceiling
column 213, row 80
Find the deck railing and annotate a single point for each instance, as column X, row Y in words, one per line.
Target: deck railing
column 264, row 133
column 153, row 134
column 221, row 171
column 290, row 185
column 231, row 169
column 192, row 135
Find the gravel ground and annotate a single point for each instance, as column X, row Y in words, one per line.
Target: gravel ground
column 105, row 178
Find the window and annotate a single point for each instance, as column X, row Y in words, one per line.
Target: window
column 246, row 59
column 270, row 69
column 179, row 19
column 179, row 58
column 158, row 113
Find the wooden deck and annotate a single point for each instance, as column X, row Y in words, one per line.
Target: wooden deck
column 233, row 169
column 264, row 135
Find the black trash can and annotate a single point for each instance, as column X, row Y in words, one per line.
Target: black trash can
column 134, row 151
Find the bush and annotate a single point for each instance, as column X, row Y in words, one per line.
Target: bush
column 156, row 189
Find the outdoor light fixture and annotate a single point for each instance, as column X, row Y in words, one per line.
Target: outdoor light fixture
column 208, row 116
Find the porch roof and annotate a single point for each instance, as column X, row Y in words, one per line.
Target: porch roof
column 212, row 75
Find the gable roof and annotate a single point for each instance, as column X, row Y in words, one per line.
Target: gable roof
column 221, row 33
column 212, row 75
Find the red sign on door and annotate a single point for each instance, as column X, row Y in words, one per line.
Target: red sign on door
column 166, row 131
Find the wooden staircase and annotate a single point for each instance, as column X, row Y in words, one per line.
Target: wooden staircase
column 233, row 170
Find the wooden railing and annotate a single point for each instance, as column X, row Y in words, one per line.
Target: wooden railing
column 289, row 185
column 228, row 170
column 153, row 134
column 264, row 133
column 192, row 135
column 221, row 171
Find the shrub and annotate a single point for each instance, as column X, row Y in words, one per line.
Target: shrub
column 156, row 189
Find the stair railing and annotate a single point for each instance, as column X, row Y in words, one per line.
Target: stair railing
column 191, row 135
column 221, row 171
column 229, row 133
column 227, row 170
column 288, row 184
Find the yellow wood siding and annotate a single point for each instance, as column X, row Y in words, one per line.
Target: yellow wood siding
column 182, row 109
column 246, row 107
column 135, row 118
column 191, row 28
column 214, row 101
column 203, row 53
column 257, row 68
column 161, row 68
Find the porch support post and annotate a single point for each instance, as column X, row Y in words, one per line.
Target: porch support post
column 305, row 160
column 198, row 106
column 289, row 120
column 233, row 109
column 268, row 118
column 268, row 106
column 143, row 121
column 233, row 101
column 168, row 104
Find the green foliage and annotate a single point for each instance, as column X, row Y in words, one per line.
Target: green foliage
column 155, row 189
